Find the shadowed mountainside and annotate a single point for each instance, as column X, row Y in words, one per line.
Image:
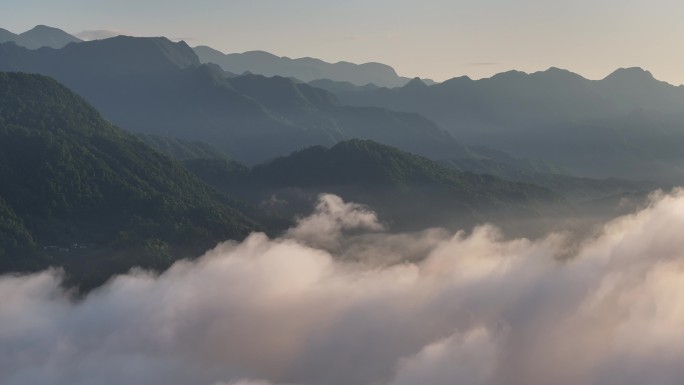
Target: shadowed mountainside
column 408, row 190
column 80, row 193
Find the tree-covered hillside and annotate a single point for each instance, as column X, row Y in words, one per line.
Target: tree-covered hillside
column 70, row 180
column 408, row 190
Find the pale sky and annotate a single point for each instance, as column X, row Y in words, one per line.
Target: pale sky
column 437, row 39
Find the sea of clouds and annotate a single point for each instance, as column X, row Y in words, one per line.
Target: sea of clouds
column 336, row 300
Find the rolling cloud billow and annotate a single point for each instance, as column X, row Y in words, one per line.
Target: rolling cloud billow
column 338, row 301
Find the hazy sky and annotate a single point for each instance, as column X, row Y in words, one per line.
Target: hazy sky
column 431, row 38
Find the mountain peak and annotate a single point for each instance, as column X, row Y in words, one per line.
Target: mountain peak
column 556, row 74
column 262, row 55
column 6, row 36
column 43, row 28
column 555, row 71
column 139, row 54
column 415, row 84
column 631, row 73
column 45, row 36
column 457, row 81
column 510, row 75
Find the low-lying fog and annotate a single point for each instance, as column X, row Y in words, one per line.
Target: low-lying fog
column 336, row 300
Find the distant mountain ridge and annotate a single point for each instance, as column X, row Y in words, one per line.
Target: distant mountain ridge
column 117, row 56
column 39, row 36
column 627, row 125
column 155, row 86
column 255, row 62
column 305, row 69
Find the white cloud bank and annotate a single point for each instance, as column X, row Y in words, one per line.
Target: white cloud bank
column 476, row 310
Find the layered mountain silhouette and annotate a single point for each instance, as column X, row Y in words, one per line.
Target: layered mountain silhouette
column 628, row 125
column 574, row 189
column 389, row 180
column 80, row 193
column 39, row 36
column 305, row 69
column 155, row 86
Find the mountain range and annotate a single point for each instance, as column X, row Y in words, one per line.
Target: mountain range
column 39, row 36
column 255, row 62
column 627, row 125
column 82, row 194
column 155, row 86
column 305, row 69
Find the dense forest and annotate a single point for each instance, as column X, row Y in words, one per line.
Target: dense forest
column 72, row 181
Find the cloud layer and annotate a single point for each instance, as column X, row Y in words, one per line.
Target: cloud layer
column 336, row 301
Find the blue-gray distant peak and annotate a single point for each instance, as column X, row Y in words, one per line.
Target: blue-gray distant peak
column 615, row 123
column 306, row 69
column 630, row 74
column 460, row 80
column 416, row 83
column 560, row 74
column 255, row 54
column 39, row 36
column 42, row 30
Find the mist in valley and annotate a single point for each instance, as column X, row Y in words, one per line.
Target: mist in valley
column 340, row 299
